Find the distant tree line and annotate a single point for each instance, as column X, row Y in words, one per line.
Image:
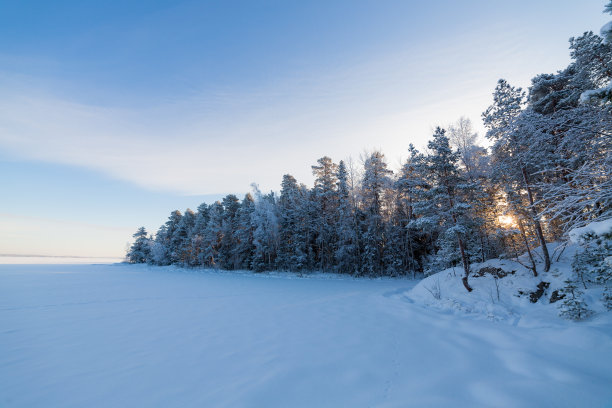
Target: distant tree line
column 548, row 169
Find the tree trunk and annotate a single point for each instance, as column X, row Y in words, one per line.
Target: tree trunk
column 466, row 265
column 482, row 246
column 536, row 222
column 412, row 257
column 533, row 265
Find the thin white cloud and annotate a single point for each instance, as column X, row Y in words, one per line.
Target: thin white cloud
column 222, row 141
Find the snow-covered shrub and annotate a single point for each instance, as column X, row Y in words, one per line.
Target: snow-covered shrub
column 594, row 263
column 573, row 306
column 435, row 289
column 591, row 263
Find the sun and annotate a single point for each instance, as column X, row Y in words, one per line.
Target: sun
column 506, row 221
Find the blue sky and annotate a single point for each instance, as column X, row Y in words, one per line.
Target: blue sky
column 114, row 113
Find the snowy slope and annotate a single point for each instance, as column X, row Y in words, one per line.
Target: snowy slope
column 507, row 298
column 138, row 336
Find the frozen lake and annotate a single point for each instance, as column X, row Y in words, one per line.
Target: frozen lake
column 138, row 336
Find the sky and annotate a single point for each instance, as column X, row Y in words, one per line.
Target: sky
column 115, row 113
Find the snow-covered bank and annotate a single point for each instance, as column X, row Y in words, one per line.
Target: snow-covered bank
column 507, row 290
column 125, row 335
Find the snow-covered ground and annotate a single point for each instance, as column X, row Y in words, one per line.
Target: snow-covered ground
column 139, row 336
column 505, row 296
column 501, row 299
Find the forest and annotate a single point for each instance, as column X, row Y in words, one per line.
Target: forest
column 545, row 170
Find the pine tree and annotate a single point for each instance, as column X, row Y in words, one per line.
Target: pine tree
column 446, row 194
column 593, row 57
column 140, row 251
column 347, row 252
column 325, row 199
column 231, row 204
column 293, row 244
column 243, row 235
column 162, row 249
column 550, row 93
column 213, row 235
column 411, row 187
column 197, row 237
column 570, row 142
column 181, row 240
column 606, row 30
column 373, row 186
column 266, row 231
column 509, row 150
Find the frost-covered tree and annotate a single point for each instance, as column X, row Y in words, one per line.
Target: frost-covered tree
column 550, row 93
column 163, row 246
column 475, row 167
column 140, row 250
column 508, row 132
column 373, row 187
column 231, row 204
column 572, row 142
column 606, row 30
column 244, row 248
column 158, row 248
column 266, row 237
column 293, row 230
column 411, row 187
column 593, row 58
column 325, row 201
column 464, row 139
column 546, row 172
column 446, row 201
column 213, row 236
column 197, row 237
column 347, row 256
column 398, row 257
column 575, row 185
column 180, row 242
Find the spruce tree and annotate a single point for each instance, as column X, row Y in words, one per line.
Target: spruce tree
column 447, row 201
column 347, row 259
column 140, row 251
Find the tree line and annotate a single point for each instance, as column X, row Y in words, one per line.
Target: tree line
column 547, row 169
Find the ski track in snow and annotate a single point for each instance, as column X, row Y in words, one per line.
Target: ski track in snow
column 126, row 336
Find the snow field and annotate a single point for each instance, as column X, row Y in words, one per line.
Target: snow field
column 126, row 335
